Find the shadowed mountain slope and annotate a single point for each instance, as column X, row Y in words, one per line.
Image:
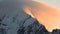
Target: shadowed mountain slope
column 13, row 20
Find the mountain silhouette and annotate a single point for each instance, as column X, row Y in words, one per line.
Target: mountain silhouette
column 14, row 20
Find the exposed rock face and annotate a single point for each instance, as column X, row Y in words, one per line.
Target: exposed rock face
column 11, row 16
column 13, row 20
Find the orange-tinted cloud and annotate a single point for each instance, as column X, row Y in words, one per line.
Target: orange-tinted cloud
column 45, row 14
